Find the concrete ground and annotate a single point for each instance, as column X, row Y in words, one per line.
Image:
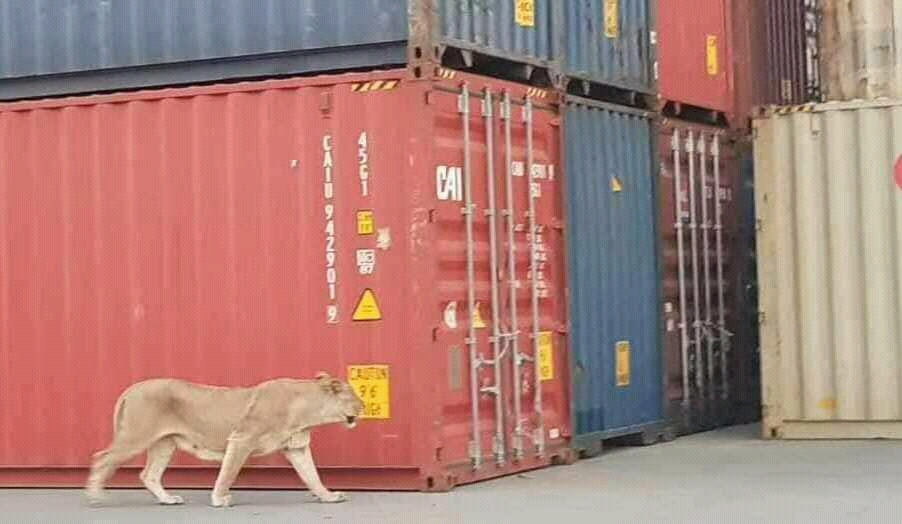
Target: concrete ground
column 724, row 477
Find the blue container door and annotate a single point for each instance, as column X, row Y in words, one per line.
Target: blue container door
column 613, row 271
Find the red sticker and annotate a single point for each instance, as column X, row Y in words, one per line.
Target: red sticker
column 897, row 172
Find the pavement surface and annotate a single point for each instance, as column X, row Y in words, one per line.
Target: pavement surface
column 725, row 477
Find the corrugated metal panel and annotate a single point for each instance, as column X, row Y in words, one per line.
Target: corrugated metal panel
column 58, row 47
column 861, row 51
column 613, row 270
column 704, row 367
column 192, row 233
column 502, row 26
column 608, row 41
column 830, row 270
column 792, row 66
column 750, row 66
column 695, row 63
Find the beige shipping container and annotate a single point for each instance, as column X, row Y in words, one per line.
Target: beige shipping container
column 860, row 49
column 829, row 246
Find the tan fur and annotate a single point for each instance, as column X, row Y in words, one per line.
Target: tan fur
column 225, row 425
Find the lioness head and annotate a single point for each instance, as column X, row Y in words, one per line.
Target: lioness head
column 344, row 405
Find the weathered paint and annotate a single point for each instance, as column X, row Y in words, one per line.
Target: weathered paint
column 613, row 269
column 59, row 47
column 695, row 62
column 727, row 385
column 609, row 42
column 186, row 233
column 830, row 270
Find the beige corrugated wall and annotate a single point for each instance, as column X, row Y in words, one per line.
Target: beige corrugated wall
column 830, row 270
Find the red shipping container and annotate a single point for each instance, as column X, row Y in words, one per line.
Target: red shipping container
column 231, row 234
column 694, row 59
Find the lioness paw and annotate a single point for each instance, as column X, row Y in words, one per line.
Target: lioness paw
column 223, row 501
column 172, row 500
column 333, row 497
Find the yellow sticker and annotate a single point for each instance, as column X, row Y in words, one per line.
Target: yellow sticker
column 612, row 18
column 525, row 12
column 616, row 186
column 477, row 321
column 622, row 349
column 711, row 55
column 367, row 307
column 371, row 383
column 366, row 225
column 546, row 356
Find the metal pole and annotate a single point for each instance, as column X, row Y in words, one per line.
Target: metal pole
column 517, row 444
column 706, row 259
column 681, row 264
column 693, row 231
column 539, row 433
column 475, row 360
column 498, row 444
column 723, row 335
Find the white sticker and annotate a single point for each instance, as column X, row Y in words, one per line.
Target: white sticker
column 554, row 433
column 536, row 189
column 383, row 238
column 450, row 315
column 363, row 168
column 449, row 183
column 517, row 168
column 366, row 261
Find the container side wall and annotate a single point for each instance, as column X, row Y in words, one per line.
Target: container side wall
column 694, row 53
column 501, row 27
column 833, row 370
column 607, row 41
column 186, row 237
column 612, row 270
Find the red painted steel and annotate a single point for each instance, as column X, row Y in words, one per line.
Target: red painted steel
column 695, row 54
column 184, row 232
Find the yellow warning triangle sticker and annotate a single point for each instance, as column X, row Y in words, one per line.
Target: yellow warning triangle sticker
column 367, row 307
column 616, row 186
column 477, row 317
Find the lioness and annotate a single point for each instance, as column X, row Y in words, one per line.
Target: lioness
column 225, row 425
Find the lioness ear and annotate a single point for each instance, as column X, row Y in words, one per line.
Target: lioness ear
column 335, row 386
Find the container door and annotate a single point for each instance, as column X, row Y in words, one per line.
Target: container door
column 502, row 314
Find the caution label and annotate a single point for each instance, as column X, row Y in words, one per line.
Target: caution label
column 525, row 13
column 622, row 354
column 372, row 385
column 616, row 186
column 612, row 18
column 711, row 55
column 546, row 356
column 367, row 307
column 366, row 225
column 476, row 319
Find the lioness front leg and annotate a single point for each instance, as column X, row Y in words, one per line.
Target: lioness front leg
column 237, row 452
column 302, row 461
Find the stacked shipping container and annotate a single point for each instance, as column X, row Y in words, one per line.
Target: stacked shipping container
column 464, row 358
column 648, row 211
column 829, row 178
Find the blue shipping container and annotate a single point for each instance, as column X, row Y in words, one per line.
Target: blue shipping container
column 613, row 272
column 56, row 47
column 609, row 42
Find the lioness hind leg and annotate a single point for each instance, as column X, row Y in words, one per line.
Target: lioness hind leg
column 158, row 456
column 302, row 461
column 107, row 462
